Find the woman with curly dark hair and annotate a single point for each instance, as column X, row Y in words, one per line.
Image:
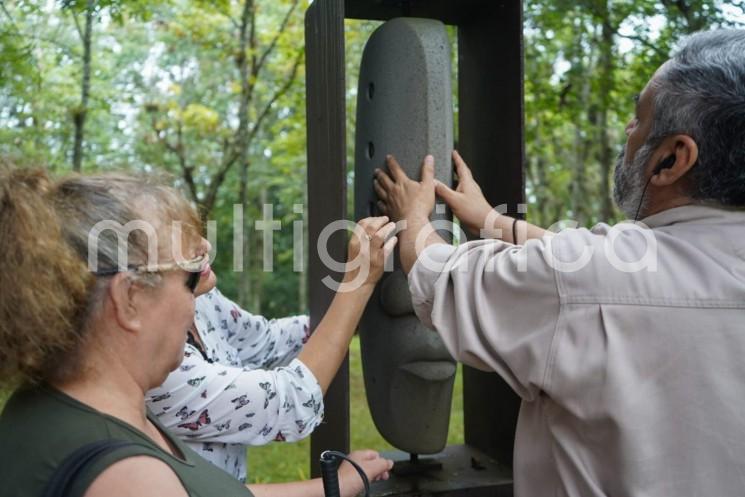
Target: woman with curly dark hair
column 95, row 306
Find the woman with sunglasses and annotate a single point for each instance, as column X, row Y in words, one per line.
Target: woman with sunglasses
column 101, row 301
column 246, row 380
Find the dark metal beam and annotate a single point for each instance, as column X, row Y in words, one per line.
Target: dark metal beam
column 491, row 123
column 327, row 193
column 447, row 11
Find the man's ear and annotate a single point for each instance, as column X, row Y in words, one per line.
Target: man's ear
column 685, row 151
column 123, row 294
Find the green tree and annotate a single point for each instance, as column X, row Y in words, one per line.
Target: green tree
column 90, row 10
column 584, row 62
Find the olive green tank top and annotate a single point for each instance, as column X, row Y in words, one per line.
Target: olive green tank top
column 41, row 426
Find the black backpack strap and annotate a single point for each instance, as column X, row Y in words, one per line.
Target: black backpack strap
column 61, row 481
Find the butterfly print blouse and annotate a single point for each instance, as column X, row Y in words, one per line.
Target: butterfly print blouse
column 245, row 388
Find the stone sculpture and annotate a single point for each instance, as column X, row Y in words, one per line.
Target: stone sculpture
column 404, row 108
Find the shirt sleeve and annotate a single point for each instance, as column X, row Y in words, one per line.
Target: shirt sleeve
column 496, row 306
column 260, row 342
column 208, row 402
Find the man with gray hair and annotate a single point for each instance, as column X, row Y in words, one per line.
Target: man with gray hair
column 625, row 343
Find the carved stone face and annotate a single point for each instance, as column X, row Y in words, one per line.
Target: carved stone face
column 404, row 108
column 408, row 371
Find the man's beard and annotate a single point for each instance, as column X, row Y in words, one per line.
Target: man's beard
column 628, row 181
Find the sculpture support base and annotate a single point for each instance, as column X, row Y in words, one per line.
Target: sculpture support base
column 416, row 466
column 464, row 471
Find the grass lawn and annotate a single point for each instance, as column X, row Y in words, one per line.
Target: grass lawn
column 280, row 462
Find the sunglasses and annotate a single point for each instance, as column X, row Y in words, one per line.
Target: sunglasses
column 194, row 267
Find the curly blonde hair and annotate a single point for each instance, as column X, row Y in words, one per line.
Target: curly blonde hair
column 48, row 291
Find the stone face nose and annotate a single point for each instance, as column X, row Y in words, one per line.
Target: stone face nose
column 430, row 370
column 404, row 108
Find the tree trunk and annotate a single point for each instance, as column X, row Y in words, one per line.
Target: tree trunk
column 606, row 84
column 244, row 285
column 244, row 288
column 579, row 196
column 80, row 113
column 256, row 269
column 691, row 15
column 249, row 60
column 586, row 63
column 539, row 213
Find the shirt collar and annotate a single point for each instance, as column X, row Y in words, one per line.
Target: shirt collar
column 700, row 214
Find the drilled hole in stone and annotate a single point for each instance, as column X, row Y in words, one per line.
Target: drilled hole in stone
column 370, row 91
column 370, row 150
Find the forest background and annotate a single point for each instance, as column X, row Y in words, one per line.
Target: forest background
column 212, row 93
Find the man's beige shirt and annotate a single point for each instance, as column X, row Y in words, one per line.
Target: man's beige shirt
column 627, row 347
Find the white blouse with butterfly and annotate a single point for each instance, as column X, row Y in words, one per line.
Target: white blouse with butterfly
column 246, row 389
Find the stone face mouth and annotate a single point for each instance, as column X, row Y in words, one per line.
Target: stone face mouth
column 430, row 370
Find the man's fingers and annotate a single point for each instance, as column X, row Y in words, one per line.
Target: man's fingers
column 383, row 179
column 379, row 190
column 397, row 172
column 464, row 172
column 428, row 169
column 445, row 192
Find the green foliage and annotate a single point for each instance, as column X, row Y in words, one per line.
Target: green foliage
column 584, row 61
column 119, row 10
column 16, row 69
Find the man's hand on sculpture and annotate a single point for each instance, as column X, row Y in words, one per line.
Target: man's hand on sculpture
column 402, row 197
column 467, row 201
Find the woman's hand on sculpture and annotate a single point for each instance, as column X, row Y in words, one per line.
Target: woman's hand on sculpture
column 375, row 467
column 401, row 197
column 467, row 201
column 370, row 245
